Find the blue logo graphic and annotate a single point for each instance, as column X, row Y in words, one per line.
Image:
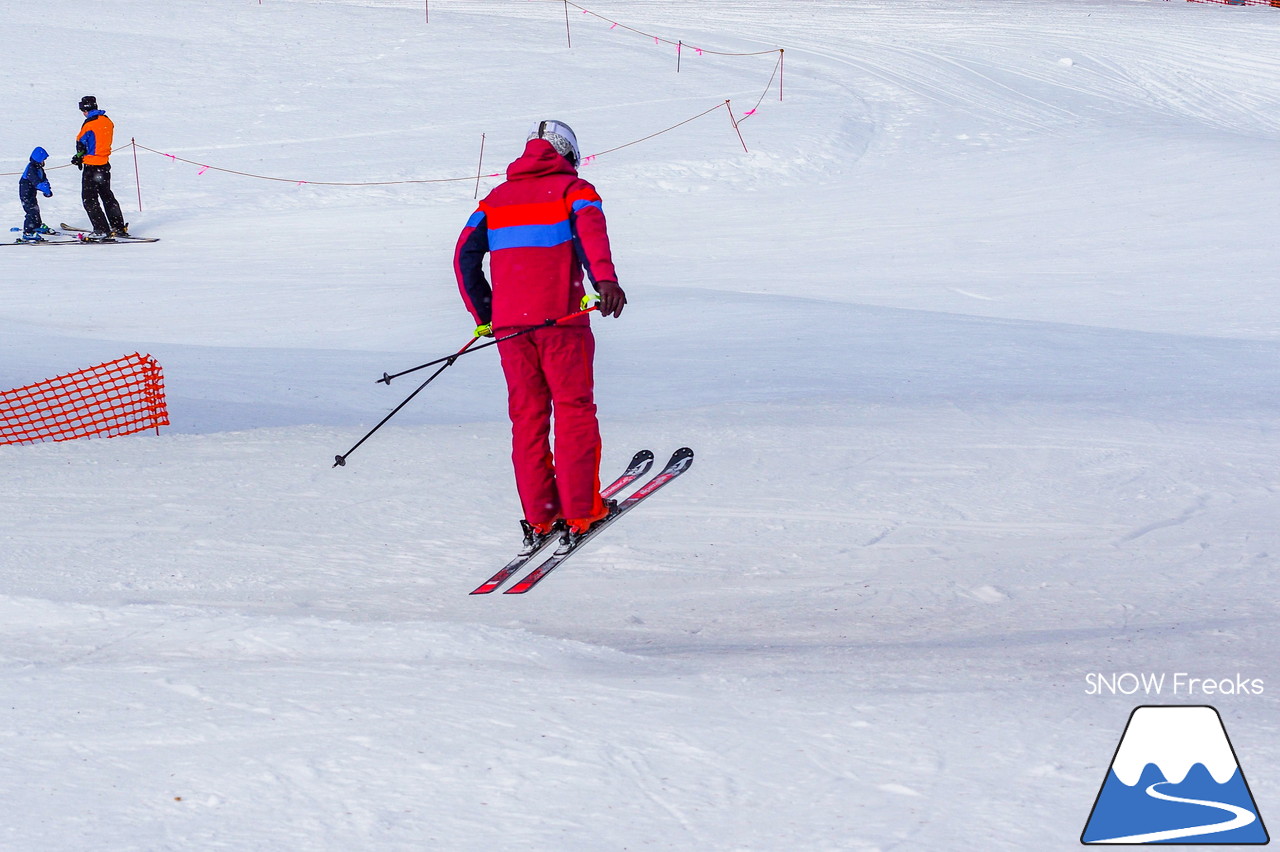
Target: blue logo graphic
column 1175, row 779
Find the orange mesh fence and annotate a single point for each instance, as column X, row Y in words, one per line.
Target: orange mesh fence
column 119, row 397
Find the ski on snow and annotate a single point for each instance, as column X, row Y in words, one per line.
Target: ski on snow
column 82, row 238
column 679, row 463
column 44, row 239
column 44, row 242
column 640, row 464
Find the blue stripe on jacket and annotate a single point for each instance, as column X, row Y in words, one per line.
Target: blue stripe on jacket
column 530, row 236
column 471, row 267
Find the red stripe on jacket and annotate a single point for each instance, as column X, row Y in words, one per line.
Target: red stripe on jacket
column 531, row 281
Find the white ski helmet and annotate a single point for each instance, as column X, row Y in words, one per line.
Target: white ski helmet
column 561, row 137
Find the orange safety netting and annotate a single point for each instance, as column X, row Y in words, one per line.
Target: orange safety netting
column 119, row 397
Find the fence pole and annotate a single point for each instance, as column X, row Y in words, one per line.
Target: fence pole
column 729, row 107
column 137, row 180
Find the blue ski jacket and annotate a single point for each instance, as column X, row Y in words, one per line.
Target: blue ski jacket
column 34, row 180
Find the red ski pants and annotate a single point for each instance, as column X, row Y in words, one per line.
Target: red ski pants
column 550, row 381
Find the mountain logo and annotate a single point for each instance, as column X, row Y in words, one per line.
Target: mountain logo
column 1175, row 779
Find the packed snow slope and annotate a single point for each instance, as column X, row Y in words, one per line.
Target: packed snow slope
column 977, row 342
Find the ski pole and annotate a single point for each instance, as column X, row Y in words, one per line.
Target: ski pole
column 341, row 461
column 386, row 378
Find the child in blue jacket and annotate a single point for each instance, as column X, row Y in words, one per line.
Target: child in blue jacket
column 34, row 180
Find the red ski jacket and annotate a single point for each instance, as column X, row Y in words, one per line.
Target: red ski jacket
column 541, row 227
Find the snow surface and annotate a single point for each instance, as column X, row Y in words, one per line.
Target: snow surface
column 978, row 345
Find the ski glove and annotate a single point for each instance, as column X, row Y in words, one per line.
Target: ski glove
column 44, row 187
column 78, row 160
column 612, row 298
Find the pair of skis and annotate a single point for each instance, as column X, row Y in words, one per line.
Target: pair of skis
column 77, row 237
column 640, row 464
column 80, row 236
column 67, row 239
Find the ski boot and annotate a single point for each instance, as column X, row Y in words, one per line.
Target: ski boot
column 577, row 529
column 536, row 535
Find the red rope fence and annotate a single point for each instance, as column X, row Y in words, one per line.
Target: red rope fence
column 119, row 397
column 206, row 167
column 678, row 44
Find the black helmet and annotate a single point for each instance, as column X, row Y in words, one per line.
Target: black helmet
column 88, row 102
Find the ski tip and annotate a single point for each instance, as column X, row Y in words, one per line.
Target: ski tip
column 681, row 459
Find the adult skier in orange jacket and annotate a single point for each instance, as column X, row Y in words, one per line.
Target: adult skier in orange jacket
column 93, row 155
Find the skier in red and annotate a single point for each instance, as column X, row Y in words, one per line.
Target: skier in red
column 541, row 228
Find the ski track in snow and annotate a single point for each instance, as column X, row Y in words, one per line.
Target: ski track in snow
column 977, row 348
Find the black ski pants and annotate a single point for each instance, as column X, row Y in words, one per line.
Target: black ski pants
column 99, row 201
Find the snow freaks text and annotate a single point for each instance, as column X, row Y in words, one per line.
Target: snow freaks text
column 1175, row 684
